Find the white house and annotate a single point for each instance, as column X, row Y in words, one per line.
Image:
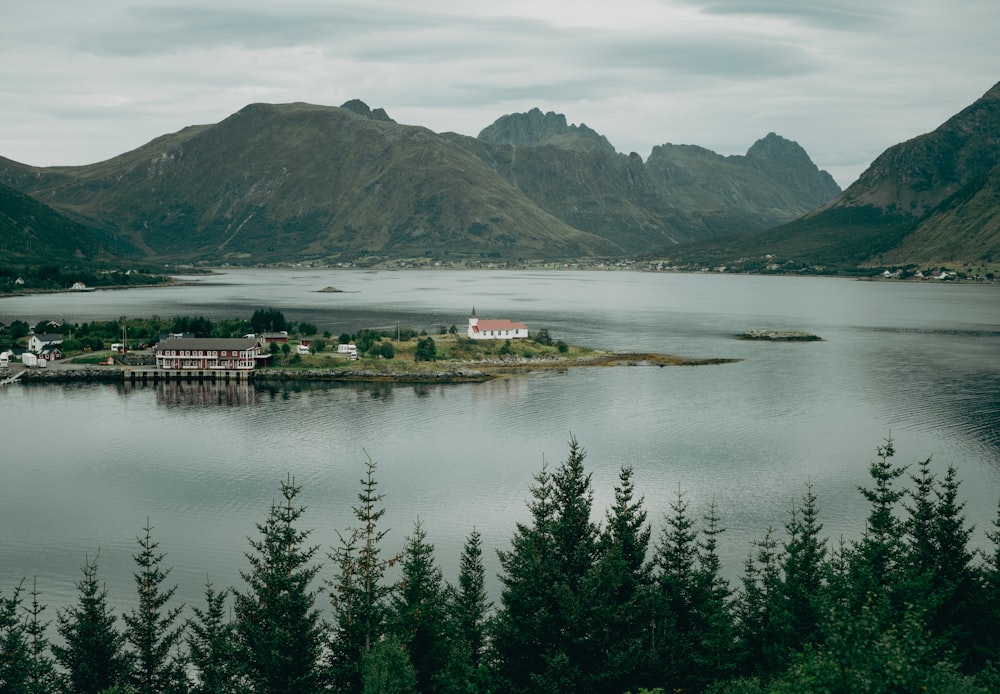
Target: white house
column 495, row 329
column 36, row 343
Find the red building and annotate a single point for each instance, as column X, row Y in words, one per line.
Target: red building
column 236, row 353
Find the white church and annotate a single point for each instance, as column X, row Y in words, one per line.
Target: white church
column 495, row 329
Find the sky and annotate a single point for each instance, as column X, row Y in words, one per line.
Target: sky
column 81, row 82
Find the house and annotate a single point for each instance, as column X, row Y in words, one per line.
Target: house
column 36, row 343
column 495, row 329
column 280, row 338
column 232, row 353
column 51, row 353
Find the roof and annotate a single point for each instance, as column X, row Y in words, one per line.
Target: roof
column 501, row 324
column 228, row 344
column 49, row 337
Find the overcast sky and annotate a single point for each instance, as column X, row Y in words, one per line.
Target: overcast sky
column 81, row 82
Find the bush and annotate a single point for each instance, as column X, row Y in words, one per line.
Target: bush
column 542, row 337
column 426, row 350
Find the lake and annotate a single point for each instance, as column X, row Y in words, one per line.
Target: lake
column 84, row 466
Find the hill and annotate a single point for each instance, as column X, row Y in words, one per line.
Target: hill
column 32, row 233
column 299, row 182
column 933, row 200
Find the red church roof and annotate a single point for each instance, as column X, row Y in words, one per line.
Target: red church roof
column 499, row 324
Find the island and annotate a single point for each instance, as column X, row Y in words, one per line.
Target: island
column 226, row 351
column 770, row 335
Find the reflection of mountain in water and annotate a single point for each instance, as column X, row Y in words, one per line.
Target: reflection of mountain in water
column 200, row 394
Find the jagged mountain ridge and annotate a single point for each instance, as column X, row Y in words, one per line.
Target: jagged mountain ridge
column 928, row 201
column 296, row 182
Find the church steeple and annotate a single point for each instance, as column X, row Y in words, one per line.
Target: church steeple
column 473, row 323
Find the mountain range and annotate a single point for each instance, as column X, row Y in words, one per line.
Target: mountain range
column 933, row 200
column 306, row 183
column 299, row 182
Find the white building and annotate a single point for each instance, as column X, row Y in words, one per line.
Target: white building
column 36, row 343
column 495, row 329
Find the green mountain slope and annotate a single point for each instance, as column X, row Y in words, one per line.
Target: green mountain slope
column 32, row 233
column 932, row 200
column 298, row 182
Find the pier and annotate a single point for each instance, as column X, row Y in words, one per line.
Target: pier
column 143, row 376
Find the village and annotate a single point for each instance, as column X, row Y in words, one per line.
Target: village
column 184, row 355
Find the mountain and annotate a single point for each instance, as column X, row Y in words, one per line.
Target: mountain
column 680, row 194
column 299, row 182
column 32, row 233
column 929, row 201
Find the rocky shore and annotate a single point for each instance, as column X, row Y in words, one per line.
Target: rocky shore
column 385, row 371
column 769, row 335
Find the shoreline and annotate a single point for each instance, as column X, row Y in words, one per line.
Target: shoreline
column 444, row 372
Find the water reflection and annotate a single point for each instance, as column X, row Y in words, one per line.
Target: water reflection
column 203, row 394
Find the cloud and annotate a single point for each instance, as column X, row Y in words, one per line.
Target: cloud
column 82, row 82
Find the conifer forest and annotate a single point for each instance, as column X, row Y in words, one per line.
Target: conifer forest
column 590, row 600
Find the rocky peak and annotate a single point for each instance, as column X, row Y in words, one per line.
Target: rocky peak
column 786, row 161
column 535, row 128
column 362, row 109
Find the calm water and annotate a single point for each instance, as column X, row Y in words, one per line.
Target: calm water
column 83, row 467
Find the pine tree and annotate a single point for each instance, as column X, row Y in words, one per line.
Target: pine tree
column 211, row 645
column 620, row 592
column 92, row 657
column 541, row 632
column 803, row 568
column 468, row 609
column 41, row 667
column 386, row 669
column 152, row 630
column 876, row 560
column 279, row 631
column 673, row 619
column 520, row 628
column 469, row 603
column 714, row 639
column 358, row 593
column 955, row 584
column 418, row 616
column 762, row 628
column 15, row 659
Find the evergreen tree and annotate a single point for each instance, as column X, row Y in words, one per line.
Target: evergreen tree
column 542, row 631
column 279, row 631
column 619, row 590
column 714, row 639
column 15, row 650
column 92, row 657
column 803, row 568
column 520, row 630
column 418, row 615
column 358, row 593
column 41, row 668
column 152, row 630
column 211, row 645
column 679, row 602
column 955, row 585
column 468, row 611
column 876, row 561
column 386, row 669
column 761, row 624
column 987, row 623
